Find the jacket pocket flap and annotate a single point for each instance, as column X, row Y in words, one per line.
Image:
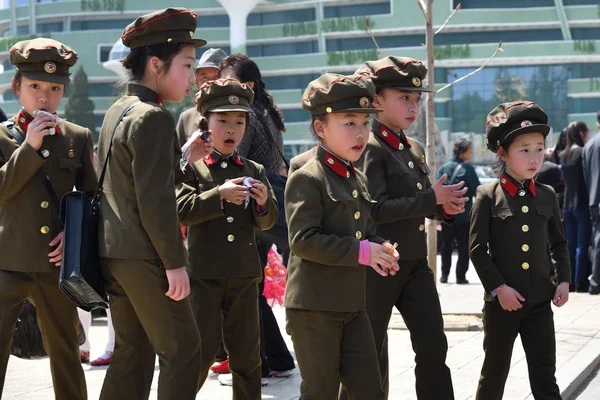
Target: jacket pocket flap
column 501, row 212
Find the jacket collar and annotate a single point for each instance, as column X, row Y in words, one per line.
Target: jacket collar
column 24, row 119
column 215, row 157
column 144, row 93
column 513, row 186
column 343, row 168
column 397, row 141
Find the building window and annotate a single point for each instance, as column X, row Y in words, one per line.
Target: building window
column 282, row 17
column 585, row 33
column 23, row 30
column 358, row 10
column 580, row 2
column 282, row 49
column 104, row 52
column 288, row 81
column 504, row 3
column 581, row 105
column 475, row 97
column 584, row 70
column 213, row 21
column 99, row 24
column 50, row 27
column 295, row 115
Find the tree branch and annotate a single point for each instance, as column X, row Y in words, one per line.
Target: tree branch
column 448, row 19
column 368, row 24
column 474, row 72
column 423, row 8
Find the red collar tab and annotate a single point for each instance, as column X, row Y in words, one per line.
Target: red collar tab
column 159, row 101
column 395, row 140
column 513, row 188
column 215, row 157
column 24, row 119
column 338, row 166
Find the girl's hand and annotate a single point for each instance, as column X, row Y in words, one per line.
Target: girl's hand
column 233, row 191
column 381, row 260
column 510, row 299
column 179, row 284
column 201, row 148
column 561, row 296
column 56, row 255
column 37, row 129
column 449, row 193
column 259, row 192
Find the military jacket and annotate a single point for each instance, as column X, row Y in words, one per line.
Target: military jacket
column 139, row 212
column 512, row 229
column 187, row 124
column 221, row 238
column 28, row 218
column 298, row 161
column 327, row 207
column 398, row 180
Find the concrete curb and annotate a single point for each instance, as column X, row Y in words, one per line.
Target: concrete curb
column 575, row 371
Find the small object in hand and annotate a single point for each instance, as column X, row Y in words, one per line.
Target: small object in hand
column 56, row 119
column 202, row 133
column 248, row 183
column 392, row 248
column 203, row 125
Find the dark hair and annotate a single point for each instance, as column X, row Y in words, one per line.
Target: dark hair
column 136, row 60
column 499, row 164
column 320, row 117
column 246, row 70
column 574, row 136
column 461, row 146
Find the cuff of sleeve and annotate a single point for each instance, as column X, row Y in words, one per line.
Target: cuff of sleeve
column 261, row 211
column 364, row 254
column 447, row 217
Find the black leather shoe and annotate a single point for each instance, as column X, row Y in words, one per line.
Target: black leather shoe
column 444, row 279
column 594, row 289
column 462, row 281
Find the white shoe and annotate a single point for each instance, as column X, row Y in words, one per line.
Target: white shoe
column 227, row 380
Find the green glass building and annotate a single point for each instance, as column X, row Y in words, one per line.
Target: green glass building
column 551, row 49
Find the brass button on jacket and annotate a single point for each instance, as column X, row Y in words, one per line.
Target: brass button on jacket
column 355, row 194
column 525, row 228
column 358, row 235
column 44, row 204
column 357, row 215
column 525, row 265
column 44, row 230
column 525, row 209
column 230, row 238
column 525, row 248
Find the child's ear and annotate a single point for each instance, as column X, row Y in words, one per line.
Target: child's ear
column 319, row 128
column 502, row 153
column 377, row 102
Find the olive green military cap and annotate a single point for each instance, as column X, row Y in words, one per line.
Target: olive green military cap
column 397, row 73
column 508, row 120
column 43, row 59
column 171, row 25
column 224, row 95
column 334, row 93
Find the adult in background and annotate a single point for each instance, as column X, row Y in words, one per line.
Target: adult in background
column 458, row 169
column 576, row 214
column 263, row 143
column 207, row 69
column 591, row 173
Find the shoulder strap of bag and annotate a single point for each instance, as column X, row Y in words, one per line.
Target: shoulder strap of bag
column 39, row 173
column 100, row 187
column 455, row 174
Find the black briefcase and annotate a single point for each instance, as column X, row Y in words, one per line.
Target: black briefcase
column 80, row 274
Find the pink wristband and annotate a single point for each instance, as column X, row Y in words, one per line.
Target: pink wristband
column 364, row 254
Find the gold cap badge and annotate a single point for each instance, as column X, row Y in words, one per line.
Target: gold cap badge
column 416, row 81
column 364, row 102
column 50, row 67
column 234, row 99
column 525, row 124
column 191, row 34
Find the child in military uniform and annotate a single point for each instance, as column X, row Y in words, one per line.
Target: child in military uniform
column 143, row 257
column 398, row 180
column 514, row 222
column 41, row 159
column 327, row 206
column 229, row 197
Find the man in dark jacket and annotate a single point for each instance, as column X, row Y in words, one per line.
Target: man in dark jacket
column 591, row 173
column 458, row 169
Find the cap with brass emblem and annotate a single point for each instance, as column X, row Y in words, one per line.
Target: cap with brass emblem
column 357, row 215
column 230, row 238
column 421, row 227
column 524, row 209
column 358, row 235
column 411, row 165
column 44, row 204
column 224, row 95
column 525, row 228
column 230, row 220
column 44, row 230
column 402, row 73
column 355, row 194
column 525, row 248
column 334, row 93
column 171, row 25
column 43, row 59
column 525, row 265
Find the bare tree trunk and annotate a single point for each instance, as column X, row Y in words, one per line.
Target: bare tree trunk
column 430, row 126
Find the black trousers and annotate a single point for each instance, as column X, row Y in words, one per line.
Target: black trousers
column 460, row 232
column 535, row 324
column 595, row 280
column 274, row 353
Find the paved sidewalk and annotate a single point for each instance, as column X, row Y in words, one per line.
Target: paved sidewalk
column 578, row 352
